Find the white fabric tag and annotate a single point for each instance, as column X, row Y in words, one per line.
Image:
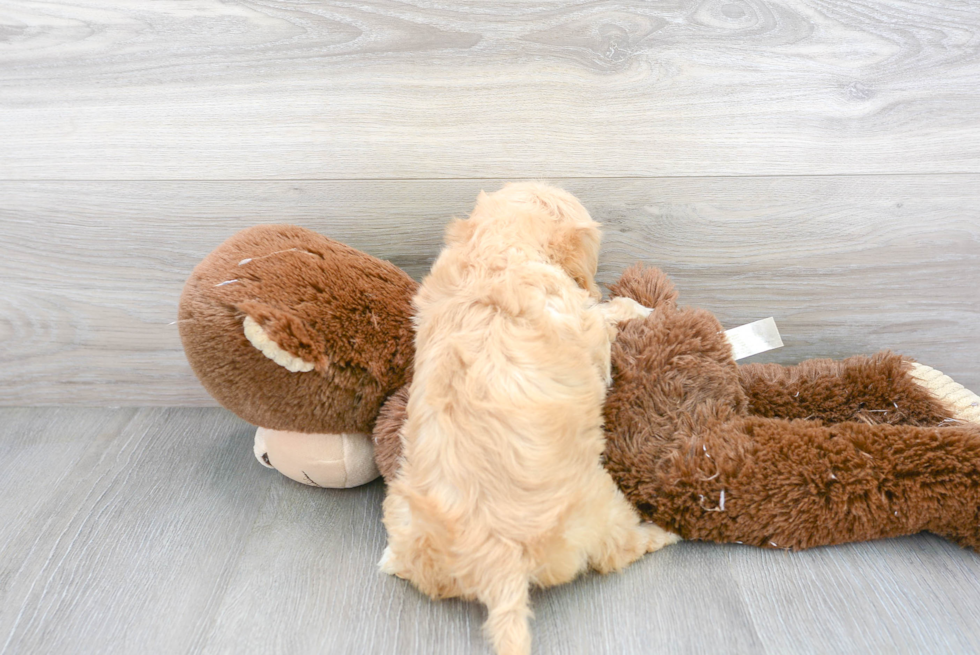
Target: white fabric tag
column 754, row 338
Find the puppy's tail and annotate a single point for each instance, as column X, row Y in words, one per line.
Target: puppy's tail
column 509, row 614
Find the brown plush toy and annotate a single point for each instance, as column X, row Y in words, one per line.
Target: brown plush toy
column 304, row 337
column 314, row 340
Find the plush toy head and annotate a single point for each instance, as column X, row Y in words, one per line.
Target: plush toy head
column 300, row 335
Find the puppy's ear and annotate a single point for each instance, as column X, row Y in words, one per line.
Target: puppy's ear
column 459, row 231
column 576, row 249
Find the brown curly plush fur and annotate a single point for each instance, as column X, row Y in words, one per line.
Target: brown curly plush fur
column 342, row 310
column 805, row 456
column 873, row 390
column 821, row 453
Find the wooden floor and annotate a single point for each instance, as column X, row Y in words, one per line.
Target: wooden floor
column 155, row 531
column 817, row 161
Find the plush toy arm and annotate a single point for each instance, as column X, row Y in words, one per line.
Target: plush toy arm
column 963, row 404
column 877, row 389
column 882, row 389
column 646, row 285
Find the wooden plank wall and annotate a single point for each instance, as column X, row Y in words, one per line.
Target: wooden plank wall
column 817, row 161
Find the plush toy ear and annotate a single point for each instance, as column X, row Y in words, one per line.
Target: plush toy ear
column 274, row 350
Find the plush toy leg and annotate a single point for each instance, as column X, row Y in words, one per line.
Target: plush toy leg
column 790, row 484
column 336, row 461
column 876, row 389
column 882, row 388
column 691, row 460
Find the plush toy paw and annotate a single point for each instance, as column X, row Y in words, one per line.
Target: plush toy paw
column 333, row 461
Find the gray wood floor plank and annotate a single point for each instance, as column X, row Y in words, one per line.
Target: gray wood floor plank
column 155, row 531
column 921, row 593
column 40, row 453
column 133, row 549
column 671, row 601
column 92, row 271
column 170, row 90
column 308, row 583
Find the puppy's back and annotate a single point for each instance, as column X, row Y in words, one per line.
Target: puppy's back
column 503, row 419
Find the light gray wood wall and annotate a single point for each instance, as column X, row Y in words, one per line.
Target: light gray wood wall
column 216, row 90
column 816, row 161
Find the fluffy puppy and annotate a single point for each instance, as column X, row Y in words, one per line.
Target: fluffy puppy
column 501, row 485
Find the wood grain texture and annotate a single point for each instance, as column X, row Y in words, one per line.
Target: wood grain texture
column 40, row 453
column 383, row 89
column 936, row 582
column 155, row 531
column 135, row 544
column 93, row 271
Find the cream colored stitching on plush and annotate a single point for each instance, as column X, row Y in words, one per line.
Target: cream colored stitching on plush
column 258, row 338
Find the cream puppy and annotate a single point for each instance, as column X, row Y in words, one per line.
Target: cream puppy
column 501, row 486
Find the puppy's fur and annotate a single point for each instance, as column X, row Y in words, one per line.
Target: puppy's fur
column 501, row 486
